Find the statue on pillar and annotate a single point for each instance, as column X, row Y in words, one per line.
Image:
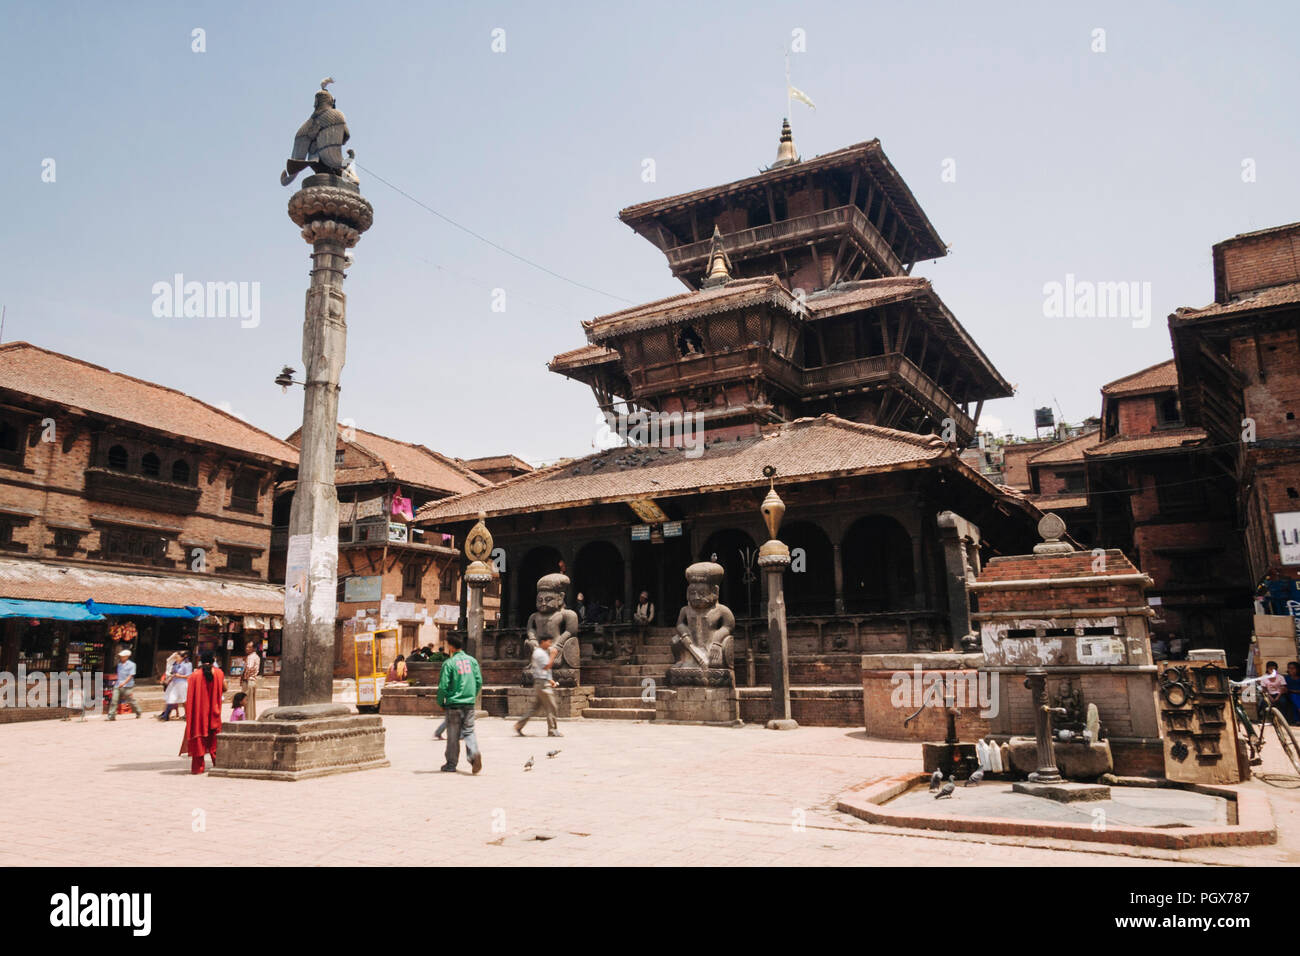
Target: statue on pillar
column 553, row 618
column 702, row 645
column 319, row 141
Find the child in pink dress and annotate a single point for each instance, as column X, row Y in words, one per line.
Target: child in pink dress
column 237, row 706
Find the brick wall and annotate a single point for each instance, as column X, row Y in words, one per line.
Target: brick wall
column 1256, row 263
column 51, row 483
column 883, row 716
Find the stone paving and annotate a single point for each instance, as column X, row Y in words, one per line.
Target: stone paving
column 618, row 793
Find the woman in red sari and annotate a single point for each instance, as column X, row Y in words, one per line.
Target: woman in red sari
column 203, row 712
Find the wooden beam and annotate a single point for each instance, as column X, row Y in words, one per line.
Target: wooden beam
column 853, row 185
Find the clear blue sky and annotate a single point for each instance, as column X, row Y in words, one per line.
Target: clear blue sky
column 1115, row 166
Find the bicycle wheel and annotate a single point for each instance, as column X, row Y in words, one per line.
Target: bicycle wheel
column 1286, row 738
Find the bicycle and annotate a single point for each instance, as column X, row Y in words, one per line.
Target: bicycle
column 1267, row 714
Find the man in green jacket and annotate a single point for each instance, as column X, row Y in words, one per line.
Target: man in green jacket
column 458, row 687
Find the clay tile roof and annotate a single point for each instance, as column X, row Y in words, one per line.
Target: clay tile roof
column 736, row 294
column 585, row 355
column 865, row 294
column 1278, row 295
column 1047, row 503
column 490, row 462
column 406, row 463
column 1071, row 450
column 1169, row 440
column 32, row 371
column 1156, row 378
column 41, row 581
column 806, row 448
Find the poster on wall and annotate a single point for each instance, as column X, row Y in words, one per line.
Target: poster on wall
column 363, row 588
column 1287, row 525
column 295, row 575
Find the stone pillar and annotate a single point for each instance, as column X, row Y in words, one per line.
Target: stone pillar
column 839, row 579
column 307, row 735
column 478, row 575
column 332, row 215
column 954, row 531
column 773, row 559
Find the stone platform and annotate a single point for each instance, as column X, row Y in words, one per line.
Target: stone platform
column 1169, row 817
column 298, row 743
column 715, row 706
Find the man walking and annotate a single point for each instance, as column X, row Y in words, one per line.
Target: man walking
column 124, row 688
column 248, row 680
column 544, row 699
column 458, row 687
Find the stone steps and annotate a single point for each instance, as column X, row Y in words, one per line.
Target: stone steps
column 618, row 713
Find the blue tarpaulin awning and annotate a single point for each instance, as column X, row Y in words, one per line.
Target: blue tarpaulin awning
column 188, row 612
column 48, row 610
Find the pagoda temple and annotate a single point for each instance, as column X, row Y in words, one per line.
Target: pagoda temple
column 803, row 343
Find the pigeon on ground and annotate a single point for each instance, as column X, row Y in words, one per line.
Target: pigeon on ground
column 946, row 790
column 936, row 778
column 529, row 765
column 551, row 753
column 974, row 779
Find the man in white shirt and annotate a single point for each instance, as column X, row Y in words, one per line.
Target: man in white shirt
column 544, row 700
column 248, row 680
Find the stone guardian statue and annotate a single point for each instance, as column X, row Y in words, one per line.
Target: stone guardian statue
column 561, row 623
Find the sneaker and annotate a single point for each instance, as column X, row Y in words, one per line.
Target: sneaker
column 519, row 731
column 554, row 733
column 439, row 737
column 476, row 762
column 447, row 768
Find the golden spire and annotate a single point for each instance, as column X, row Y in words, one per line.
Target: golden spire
column 785, row 152
column 719, row 269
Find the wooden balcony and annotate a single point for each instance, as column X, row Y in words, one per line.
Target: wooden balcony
column 893, row 369
column 776, row 237
column 152, row 494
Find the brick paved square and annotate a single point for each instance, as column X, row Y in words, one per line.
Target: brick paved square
column 619, row 793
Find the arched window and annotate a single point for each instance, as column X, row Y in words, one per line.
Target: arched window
column 181, row 471
column 117, row 458
column 151, row 465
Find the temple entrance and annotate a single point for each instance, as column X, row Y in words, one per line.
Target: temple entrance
column 598, row 576
column 878, row 572
column 741, row 589
column 660, row 569
column 537, row 563
column 811, row 590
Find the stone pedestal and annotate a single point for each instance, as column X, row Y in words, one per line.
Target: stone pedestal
column 296, row 743
column 1076, row 760
column 1063, row 792
column 699, row 705
column 569, row 701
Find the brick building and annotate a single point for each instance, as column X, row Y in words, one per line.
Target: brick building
column 134, row 496
column 1157, row 492
column 1239, row 380
column 390, row 573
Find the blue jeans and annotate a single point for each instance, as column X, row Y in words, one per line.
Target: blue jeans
column 460, row 726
